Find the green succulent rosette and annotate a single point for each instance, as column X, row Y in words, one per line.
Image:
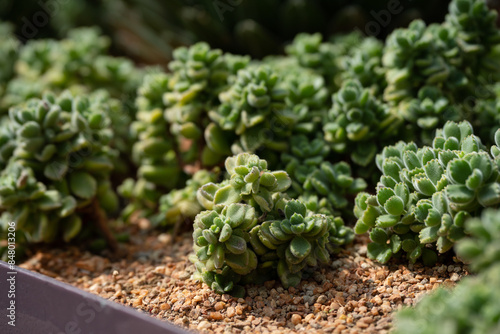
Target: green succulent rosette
column 426, row 194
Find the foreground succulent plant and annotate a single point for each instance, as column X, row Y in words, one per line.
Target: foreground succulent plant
column 299, row 240
column 252, row 231
column 58, row 165
column 470, row 307
column 426, row 194
column 481, row 250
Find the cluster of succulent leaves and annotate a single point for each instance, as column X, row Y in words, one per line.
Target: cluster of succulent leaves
column 252, row 231
column 472, row 306
column 425, row 194
column 56, row 163
column 79, row 62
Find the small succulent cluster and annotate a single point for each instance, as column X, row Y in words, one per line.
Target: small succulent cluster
column 56, row 163
column 311, row 52
column 181, row 205
column 8, row 55
column 426, row 194
column 252, row 231
column 247, row 108
column 324, row 186
column 482, row 248
column 470, row 307
column 79, row 62
column 439, row 72
column 355, row 119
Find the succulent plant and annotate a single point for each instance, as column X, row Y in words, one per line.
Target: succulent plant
column 181, row 205
column 477, row 36
column 221, row 241
column 364, row 64
column 355, row 119
column 8, row 55
column 281, row 235
column 307, row 101
column 299, row 240
column 58, row 165
column 250, row 181
column 313, row 176
column 199, row 74
column 481, row 249
column 428, row 112
column 470, row 307
column 427, row 193
column 245, row 112
column 154, row 149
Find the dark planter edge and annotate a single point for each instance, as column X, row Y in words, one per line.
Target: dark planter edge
column 41, row 304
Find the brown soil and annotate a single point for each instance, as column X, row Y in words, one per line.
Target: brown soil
column 353, row 295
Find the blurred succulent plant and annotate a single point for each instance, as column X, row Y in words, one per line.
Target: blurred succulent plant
column 428, row 112
column 246, row 110
column 312, row 176
column 58, row 165
column 426, row 194
column 181, row 205
column 481, row 249
column 412, row 59
column 355, row 119
column 311, row 52
column 8, row 54
column 154, row 150
column 470, row 307
column 253, row 230
column 477, row 37
column 199, row 74
column 364, row 64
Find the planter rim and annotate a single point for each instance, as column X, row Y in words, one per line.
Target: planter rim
column 46, row 305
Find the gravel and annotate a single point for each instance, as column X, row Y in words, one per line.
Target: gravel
column 352, row 295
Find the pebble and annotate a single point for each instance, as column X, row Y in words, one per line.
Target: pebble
column 296, row 319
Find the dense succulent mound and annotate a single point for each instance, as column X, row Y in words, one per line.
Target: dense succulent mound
column 58, row 163
column 252, row 231
column 426, row 194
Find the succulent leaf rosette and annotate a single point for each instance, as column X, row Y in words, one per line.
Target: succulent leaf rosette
column 428, row 112
column 181, row 205
column 311, row 52
column 250, row 181
column 252, row 231
column 470, row 307
column 426, row 194
column 58, row 166
column 481, row 250
column 313, row 177
column 246, row 110
column 355, row 119
column 221, row 241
